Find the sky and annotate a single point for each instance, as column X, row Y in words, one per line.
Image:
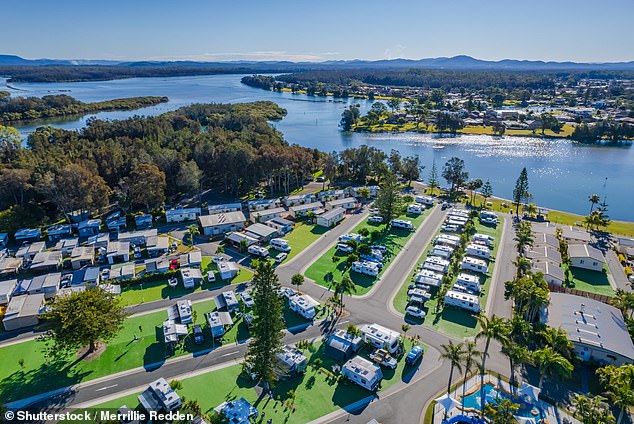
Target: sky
column 318, row 30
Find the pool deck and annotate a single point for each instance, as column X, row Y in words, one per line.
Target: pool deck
column 553, row 413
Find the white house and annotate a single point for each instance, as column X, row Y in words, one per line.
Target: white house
column 224, row 208
column 222, row 223
column 586, row 257
column 437, row 264
column 331, row 217
column 182, row 214
column 366, row 267
column 461, row 300
column 159, row 396
column 262, row 204
column 478, row 250
column 6, row 290
column 191, row 277
column 474, row 264
column 363, row 372
column 425, row 200
column 299, row 211
column 299, row 199
column 346, row 203
column 380, row 337
column 23, row 312
column 266, row 214
column 327, row 195
column 304, row 305
column 227, row 270
column 191, row 259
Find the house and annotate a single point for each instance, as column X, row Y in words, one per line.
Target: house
column 290, row 362
column 159, row 396
column 474, row 264
column 436, row 264
column 262, row 233
column 574, row 235
column 191, row 259
column 238, row 238
column 227, row 270
column 238, row 411
column 346, row 203
column 4, row 239
column 47, row 284
column 191, row 277
column 553, row 274
column 380, row 337
column 10, row 266
column 227, row 300
column 157, row 265
column 366, row 267
column 89, row 227
column 283, row 226
column 86, row 277
column 49, row 260
column 266, row 214
column 172, row 331
column 138, row 237
column 545, row 228
column 304, row 305
column 597, row 330
column 181, row 312
column 461, row 300
column 262, row 204
column 299, row 199
column 28, row 250
column 59, row 231
column 478, row 250
column 118, row 251
column 331, row 217
column 123, row 272
column 545, row 240
column 217, row 322
column 98, row 241
column 414, row 209
column 327, row 195
column 28, row 234
column 544, row 254
column 223, row 208
column 624, row 245
column 356, row 191
column 586, row 257
column 181, row 214
column 67, row 246
column 363, row 372
column 82, row 256
column 222, row 223
column 157, row 246
column 142, row 222
column 6, row 290
column 342, row 345
column 23, row 312
column 299, row 211
column 116, row 222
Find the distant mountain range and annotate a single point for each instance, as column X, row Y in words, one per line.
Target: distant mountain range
column 461, row 62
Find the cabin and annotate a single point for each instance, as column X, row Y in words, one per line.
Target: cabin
column 122, row 272
column 23, row 312
column 228, row 270
column 181, row 312
column 545, row 240
column 380, row 337
column 218, row 322
column 262, row 233
column 181, row 214
column 48, row 260
column 326, row 195
column 425, row 200
column 6, row 290
column 139, row 237
column 87, row 277
column 223, row 208
column 221, row 223
column 157, row 246
column 347, row 203
column 28, row 250
column 238, row 238
column 10, row 266
column 302, row 210
column 89, row 227
column 363, row 372
column 544, row 254
column 574, row 235
column 299, row 199
column 191, row 277
column 553, row 274
column 474, row 264
column 304, row 305
column 342, row 345
column 283, row 226
column 331, row 218
column 266, row 214
column 116, row 223
column 66, row 246
column 263, row 204
column 159, row 396
column 98, row 241
column 586, row 257
column 28, row 235
column 461, row 300
column 191, row 259
column 82, row 256
column 59, row 231
column 118, row 251
column 157, row 265
column 444, row 252
column 47, row 284
column 144, row 221
column 227, row 300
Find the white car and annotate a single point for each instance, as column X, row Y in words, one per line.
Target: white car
column 279, row 258
column 247, row 299
column 343, row 247
column 415, row 311
column 211, row 276
column 376, row 219
column 217, row 259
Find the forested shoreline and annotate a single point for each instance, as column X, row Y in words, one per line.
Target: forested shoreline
column 17, row 108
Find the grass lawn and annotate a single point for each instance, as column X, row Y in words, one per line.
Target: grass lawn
column 303, row 235
column 317, row 392
column 324, row 270
column 452, row 321
column 590, row 281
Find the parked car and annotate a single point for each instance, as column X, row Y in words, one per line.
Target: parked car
column 248, row 320
column 247, row 299
column 199, row 338
column 414, row 355
column 379, row 247
column 174, row 264
column 105, row 273
column 383, row 357
column 320, row 179
column 280, row 257
column 137, row 252
column 211, row 276
column 217, row 259
column 415, row 311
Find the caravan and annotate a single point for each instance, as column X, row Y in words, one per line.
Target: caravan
column 428, row 277
column 258, row 251
column 434, row 263
column 465, row 301
column 280, row 244
column 402, row 224
column 474, row 264
column 478, row 250
column 482, row 239
column 366, row 267
column 469, row 281
column 425, row 200
column 442, row 251
column 415, row 209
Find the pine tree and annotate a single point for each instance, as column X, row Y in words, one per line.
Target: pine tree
column 268, row 324
column 433, row 177
column 389, row 201
column 520, row 192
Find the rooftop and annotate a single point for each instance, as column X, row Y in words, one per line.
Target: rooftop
column 222, row 219
column 585, row 251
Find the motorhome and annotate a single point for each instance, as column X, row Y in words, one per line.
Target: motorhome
column 470, row 281
column 366, row 267
column 280, row 244
column 442, row 251
column 428, row 277
column 425, row 200
column 478, row 250
column 437, row 264
column 380, row 337
column 304, row 305
column 474, row 264
column 460, row 300
column 415, row 209
column 402, row 224
column 482, row 239
column 258, row 251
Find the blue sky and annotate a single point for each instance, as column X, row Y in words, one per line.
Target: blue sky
column 579, row 30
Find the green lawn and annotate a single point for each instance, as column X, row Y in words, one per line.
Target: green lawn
column 303, row 235
column 590, row 281
column 317, row 392
column 148, row 292
column 452, row 321
column 324, row 270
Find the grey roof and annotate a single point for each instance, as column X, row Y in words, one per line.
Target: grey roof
column 544, row 252
column 573, row 233
column 599, row 325
column 542, row 239
column 585, row 251
column 266, row 212
column 222, row 219
column 45, row 281
column 549, row 269
column 23, row 306
column 260, row 230
column 332, row 213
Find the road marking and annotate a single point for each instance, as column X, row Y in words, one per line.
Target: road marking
column 228, row 354
column 106, row 388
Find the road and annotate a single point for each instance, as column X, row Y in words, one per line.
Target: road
column 395, row 405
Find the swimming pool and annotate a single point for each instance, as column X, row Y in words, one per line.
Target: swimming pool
column 526, row 410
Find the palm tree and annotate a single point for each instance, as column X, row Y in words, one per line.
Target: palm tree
column 594, row 200
column 454, row 353
column 523, row 265
column 592, row 410
column 531, row 209
column 523, row 237
column 619, row 385
column 471, row 355
column 502, row 411
column 517, row 355
column 551, row 364
column 494, row 328
column 557, row 340
column 345, row 286
column 624, row 301
column 192, row 230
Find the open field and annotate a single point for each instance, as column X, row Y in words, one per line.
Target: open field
column 565, row 131
column 324, row 270
column 452, row 321
column 302, row 236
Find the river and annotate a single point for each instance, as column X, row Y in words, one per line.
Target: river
column 561, row 174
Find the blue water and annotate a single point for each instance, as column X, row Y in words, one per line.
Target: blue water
column 561, row 174
column 491, row 393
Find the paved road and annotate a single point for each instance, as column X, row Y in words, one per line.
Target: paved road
column 504, row 271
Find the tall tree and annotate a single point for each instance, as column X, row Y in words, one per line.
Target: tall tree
column 297, row 280
column 494, row 328
column 410, row 168
column 349, row 118
column 268, row 325
column 192, row 231
column 618, row 383
column 454, row 353
column 455, row 173
column 330, row 164
column 520, row 192
column 9, row 143
column 594, row 199
column 487, row 191
column 432, row 181
column 343, row 287
column 551, row 364
column 84, row 318
column 471, row 357
column 592, row 409
column 501, row 411
column 145, row 187
column 389, row 200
